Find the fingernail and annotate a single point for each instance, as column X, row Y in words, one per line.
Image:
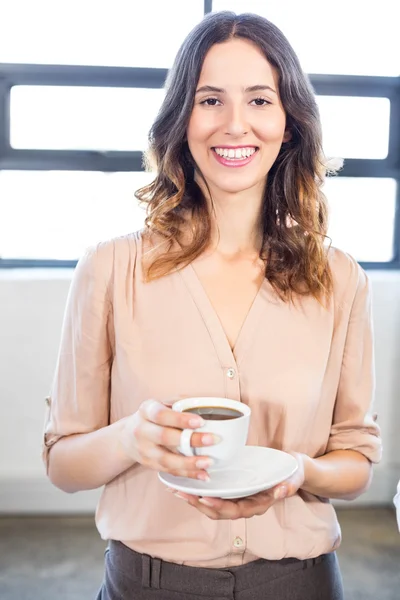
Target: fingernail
column 204, row 463
column 203, row 477
column 280, row 492
column 196, row 422
column 169, row 490
column 206, row 502
column 210, row 439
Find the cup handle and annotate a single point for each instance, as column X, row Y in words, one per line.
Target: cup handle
column 184, row 443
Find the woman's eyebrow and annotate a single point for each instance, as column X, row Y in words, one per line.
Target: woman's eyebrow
column 260, row 88
column 253, row 88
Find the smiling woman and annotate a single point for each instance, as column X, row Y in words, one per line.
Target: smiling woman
column 229, row 292
column 237, row 125
column 224, row 129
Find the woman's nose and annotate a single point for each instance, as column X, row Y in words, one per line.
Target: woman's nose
column 236, row 123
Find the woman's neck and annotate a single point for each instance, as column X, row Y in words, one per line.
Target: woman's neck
column 236, row 229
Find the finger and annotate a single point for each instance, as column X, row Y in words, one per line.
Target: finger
column 214, row 508
column 224, row 509
column 150, row 410
column 280, row 491
column 200, row 440
column 217, row 509
column 178, row 465
column 244, row 508
column 158, row 413
column 287, row 488
column 254, row 507
column 195, row 502
column 170, row 437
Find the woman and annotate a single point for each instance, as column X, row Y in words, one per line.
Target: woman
column 229, row 291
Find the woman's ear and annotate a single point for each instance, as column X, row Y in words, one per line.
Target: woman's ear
column 287, row 136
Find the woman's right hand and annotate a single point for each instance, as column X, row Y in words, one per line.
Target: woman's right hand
column 151, row 437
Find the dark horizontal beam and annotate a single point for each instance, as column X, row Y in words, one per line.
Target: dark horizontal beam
column 374, row 266
column 355, row 85
column 27, row 263
column 71, row 160
column 362, row 167
column 22, row 263
column 74, row 75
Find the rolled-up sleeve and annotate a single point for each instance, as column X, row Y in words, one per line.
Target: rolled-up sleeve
column 80, row 392
column 354, row 422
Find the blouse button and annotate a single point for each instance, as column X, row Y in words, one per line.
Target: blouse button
column 238, row 542
column 231, row 373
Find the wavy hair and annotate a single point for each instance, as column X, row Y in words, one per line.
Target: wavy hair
column 294, row 211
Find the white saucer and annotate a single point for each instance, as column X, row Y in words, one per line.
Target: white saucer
column 255, row 469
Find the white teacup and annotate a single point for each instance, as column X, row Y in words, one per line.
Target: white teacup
column 233, row 430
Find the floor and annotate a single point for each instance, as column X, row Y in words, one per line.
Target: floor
column 62, row 558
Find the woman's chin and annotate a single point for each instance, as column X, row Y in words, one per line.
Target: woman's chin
column 235, row 187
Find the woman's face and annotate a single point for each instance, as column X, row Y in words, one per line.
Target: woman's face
column 237, row 125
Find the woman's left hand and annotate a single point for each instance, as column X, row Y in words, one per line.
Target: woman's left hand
column 245, row 508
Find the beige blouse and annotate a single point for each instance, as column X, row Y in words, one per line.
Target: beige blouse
column 306, row 372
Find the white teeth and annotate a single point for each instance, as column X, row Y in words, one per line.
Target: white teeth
column 235, row 153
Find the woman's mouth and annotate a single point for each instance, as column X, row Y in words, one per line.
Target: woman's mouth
column 234, row 156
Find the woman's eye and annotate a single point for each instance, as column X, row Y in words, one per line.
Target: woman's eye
column 261, row 101
column 210, row 101
column 215, row 102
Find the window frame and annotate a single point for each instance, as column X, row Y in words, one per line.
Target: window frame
column 134, row 77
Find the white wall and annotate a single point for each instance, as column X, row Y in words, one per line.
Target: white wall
column 31, row 311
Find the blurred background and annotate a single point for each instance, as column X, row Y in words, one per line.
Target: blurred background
column 80, row 83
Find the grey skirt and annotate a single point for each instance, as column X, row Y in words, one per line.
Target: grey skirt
column 133, row 576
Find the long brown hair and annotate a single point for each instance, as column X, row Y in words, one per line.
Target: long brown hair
column 294, row 214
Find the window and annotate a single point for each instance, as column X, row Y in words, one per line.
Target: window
column 57, row 214
column 82, row 118
column 362, row 212
column 355, row 127
column 342, row 38
column 123, row 33
column 74, row 117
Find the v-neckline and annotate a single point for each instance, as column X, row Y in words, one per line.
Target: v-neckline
column 213, row 321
